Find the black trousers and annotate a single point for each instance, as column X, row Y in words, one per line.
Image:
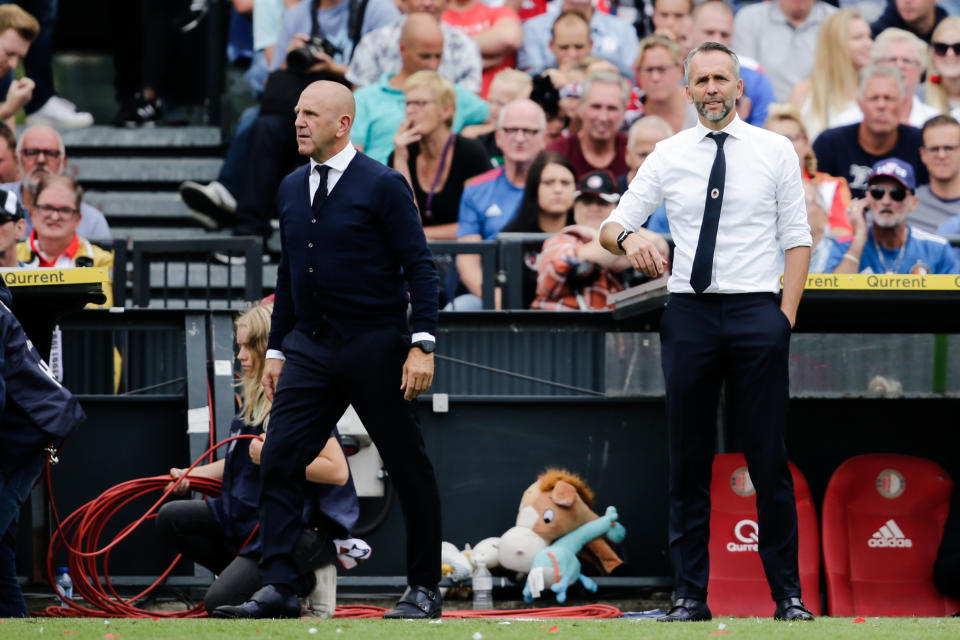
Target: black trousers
column 272, row 155
column 743, row 340
column 188, row 527
column 323, row 373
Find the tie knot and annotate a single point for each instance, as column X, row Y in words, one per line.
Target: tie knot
column 321, row 169
column 719, row 137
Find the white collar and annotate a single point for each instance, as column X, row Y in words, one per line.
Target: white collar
column 734, row 128
column 338, row 162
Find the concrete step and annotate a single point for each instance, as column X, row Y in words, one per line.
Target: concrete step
column 127, row 171
column 101, row 137
column 118, row 205
column 167, row 232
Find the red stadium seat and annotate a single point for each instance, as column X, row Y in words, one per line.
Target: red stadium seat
column 883, row 518
column 738, row 585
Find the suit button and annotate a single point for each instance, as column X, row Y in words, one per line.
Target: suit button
column 316, row 293
column 309, row 269
column 314, row 221
column 310, row 245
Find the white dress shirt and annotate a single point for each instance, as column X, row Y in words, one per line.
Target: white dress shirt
column 763, row 204
column 338, row 164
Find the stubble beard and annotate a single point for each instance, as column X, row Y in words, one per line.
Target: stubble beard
column 701, row 106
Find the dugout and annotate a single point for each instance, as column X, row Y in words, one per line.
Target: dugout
column 874, row 368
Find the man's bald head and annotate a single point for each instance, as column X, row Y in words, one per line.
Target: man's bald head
column 325, row 113
column 421, row 43
column 420, row 26
column 335, row 95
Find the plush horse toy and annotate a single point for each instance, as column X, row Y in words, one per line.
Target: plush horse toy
column 557, row 565
column 556, row 504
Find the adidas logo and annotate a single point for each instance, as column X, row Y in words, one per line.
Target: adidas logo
column 889, row 535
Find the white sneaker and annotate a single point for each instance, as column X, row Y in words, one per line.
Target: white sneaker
column 323, row 598
column 60, row 113
column 214, row 201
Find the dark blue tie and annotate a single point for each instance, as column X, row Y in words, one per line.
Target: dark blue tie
column 321, row 193
column 702, row 271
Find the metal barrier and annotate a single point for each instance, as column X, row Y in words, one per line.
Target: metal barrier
column 488, row 257
column 214, row 283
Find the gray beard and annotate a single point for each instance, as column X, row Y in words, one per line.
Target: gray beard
column 714, row 117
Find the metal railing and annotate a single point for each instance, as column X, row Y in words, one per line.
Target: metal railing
column 185, row 272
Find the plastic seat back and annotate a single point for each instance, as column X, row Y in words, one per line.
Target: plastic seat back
column 883, row 517
column 738, row 585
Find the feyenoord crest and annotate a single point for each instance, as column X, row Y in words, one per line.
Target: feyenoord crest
column 740, row 482
column 920, row 269
column 890, row 483
column 715, row 193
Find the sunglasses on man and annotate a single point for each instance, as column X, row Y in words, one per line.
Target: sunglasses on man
column 897, row 193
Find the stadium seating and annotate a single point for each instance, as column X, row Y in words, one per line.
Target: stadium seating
column 883, row 517
column 738, row 585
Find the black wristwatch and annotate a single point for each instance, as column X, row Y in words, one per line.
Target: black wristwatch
column 620, row 238
column 427, row 346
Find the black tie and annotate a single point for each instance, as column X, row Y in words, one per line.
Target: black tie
column 321, row 193
column 702, row 271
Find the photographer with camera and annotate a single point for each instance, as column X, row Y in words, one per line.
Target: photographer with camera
column 319, row 37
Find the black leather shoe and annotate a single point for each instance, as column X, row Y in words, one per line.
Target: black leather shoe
column 791, row 609
column 417, row 603
column 687, row 610
column 267, row 602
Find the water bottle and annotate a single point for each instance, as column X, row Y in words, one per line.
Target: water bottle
column 482, row 587
column 64, row 586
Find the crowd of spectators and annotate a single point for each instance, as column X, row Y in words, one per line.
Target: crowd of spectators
column 496, row 113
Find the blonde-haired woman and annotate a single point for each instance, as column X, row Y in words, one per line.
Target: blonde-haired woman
column 435, row 161
column 785, row 119
column 942, row 88
column 828, row 98
column 216, row 533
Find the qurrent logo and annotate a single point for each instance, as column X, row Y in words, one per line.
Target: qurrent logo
column 747, row 532
column 889, row 535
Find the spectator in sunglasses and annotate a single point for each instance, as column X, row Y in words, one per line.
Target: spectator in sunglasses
column 889, row 244
column 942, row 88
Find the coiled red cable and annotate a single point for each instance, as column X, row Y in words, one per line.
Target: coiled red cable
column 80, row 534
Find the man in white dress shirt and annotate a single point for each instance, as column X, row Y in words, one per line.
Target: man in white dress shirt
column 723, row 324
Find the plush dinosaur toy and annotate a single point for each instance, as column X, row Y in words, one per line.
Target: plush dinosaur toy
column 557, row 565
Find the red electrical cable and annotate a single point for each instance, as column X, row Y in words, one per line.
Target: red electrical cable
column 80, row 534
column 595, row 611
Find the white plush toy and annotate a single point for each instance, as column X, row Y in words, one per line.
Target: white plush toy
column 454, row 563
column 487, row 550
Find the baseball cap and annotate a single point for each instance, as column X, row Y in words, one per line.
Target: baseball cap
column 601, row 184
column 894, row 168
column 10, row 208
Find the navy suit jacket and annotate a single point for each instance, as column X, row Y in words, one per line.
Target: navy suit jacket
column 359, row 262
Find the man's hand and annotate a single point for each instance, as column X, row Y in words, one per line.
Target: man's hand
column 184, row 485
column 19, row 94
column 256, row 446
column 271, row 373
column 855, row 212
column 417, row 373
column 644, row 255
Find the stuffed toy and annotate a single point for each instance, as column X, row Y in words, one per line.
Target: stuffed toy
column 556, row 504
column 487, row 550
column 557, row 566
column 454, row 564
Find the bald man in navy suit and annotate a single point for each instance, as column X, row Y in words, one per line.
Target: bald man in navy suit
column 354, row 257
